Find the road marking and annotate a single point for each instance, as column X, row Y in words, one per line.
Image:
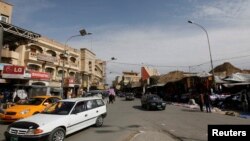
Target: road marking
column 172, row 130
column 140, row 132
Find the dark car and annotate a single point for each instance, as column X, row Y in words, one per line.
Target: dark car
column 232, row 102
column 152, row 102
column 130, row 96
column 121, row 94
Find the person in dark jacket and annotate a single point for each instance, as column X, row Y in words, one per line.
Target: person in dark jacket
column 207, row 102
column 201, row 101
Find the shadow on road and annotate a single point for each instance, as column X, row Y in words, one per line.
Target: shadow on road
column 116, row 129
column 142, row 109
column 5, row 123
column 190, row 110
column 139, row 108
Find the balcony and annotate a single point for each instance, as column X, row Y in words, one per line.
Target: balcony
column 30, row 56
column 73, row 65
column 60, row 63
column 39, row 57
column 10, row 54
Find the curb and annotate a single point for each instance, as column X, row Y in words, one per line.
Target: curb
column 214, row 110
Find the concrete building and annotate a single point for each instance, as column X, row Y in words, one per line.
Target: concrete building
column 36, row 60
column 5, row 12
column 92, row 70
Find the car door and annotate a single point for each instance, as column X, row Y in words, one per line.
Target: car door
column 92, row 111
column 78, row 118
column 101, row 107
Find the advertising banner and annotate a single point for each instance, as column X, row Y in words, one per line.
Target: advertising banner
column 13, row 71
column 40, row 75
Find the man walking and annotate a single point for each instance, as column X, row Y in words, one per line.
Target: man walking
column 207, row 102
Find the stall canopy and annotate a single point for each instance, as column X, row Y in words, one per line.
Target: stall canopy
column 238, row 77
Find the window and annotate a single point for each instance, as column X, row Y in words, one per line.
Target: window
column 4, row 18
column 99, row 102
column 80, row 107
column 91, row 104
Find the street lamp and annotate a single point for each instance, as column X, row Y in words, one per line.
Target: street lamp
column 105, row 75
column 211, row 60
column 83, row 32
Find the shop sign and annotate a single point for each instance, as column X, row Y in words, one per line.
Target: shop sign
column 40, row 75
column 13, row 71
column 69, row 81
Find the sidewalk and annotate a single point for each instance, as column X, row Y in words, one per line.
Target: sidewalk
column 215, row 110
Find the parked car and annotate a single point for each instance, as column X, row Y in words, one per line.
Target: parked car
column 231, row 102
column 27, row 108
column 152, row 101
column 100, row 93
column 60, row 119
column 121, row 94
column 129, row 96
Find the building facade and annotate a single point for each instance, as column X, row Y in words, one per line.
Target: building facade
column 92, row 70
column 5, row 12
column 40, row 61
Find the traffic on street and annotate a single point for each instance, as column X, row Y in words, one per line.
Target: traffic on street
column 128, row 121
column 124, row 70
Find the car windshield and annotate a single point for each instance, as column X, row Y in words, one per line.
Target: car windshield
column 153, row 98
column 32, row 101
column 59, row 108
column 129, row 94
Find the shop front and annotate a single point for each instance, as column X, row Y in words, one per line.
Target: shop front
column 71, row 85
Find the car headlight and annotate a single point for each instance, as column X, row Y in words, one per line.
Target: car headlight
column 24, row 111
column 34, row 131
column 163, row 103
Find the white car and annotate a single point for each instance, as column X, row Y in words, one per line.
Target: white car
column 60, row 119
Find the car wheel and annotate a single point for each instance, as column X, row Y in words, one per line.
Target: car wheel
column 99, row 121
column 57, row 134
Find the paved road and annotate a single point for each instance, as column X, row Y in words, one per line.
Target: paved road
column 126, row 121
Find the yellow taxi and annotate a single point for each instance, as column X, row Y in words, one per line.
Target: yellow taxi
column 28, row 108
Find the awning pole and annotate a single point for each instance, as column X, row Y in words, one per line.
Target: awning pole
column 1, row 43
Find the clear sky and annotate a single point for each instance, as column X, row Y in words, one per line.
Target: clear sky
column 145, row 32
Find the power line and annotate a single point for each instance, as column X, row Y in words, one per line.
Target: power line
column 232, row 58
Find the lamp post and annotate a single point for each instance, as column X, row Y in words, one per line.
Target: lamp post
column 83, row 32
column 1, row 43
column 211, row 60
column 105, row 74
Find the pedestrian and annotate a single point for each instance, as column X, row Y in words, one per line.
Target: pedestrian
column 244, row 101
column 69, row 94
column 207, row 102
column 111, row 95
column 111, row 98
column 80, row 92
column 201, row 101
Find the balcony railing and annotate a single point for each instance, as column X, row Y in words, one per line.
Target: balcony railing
column 31, row 56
